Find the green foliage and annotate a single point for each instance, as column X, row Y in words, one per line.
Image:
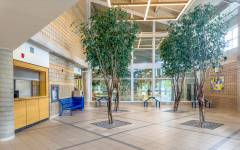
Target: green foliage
column 195, row 42
column 174, row 51
column 206, row 30
column 108, row 41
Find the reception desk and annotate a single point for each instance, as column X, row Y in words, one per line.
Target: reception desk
column 34, row 108
column 28, row 111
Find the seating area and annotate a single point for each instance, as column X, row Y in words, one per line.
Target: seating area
column 207, row 103
column 71, row 104
column 150, row 99
column 100, row 100
column 148, row 129
column 120, row 75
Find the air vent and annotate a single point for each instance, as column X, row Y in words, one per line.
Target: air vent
column 32, row 50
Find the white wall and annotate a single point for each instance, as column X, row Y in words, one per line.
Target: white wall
column 37, row 56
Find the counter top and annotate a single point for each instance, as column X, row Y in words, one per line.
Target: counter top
column 29, row 98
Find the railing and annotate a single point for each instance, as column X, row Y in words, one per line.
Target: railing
column 157, row 102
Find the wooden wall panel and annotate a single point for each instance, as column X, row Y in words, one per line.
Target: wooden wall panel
column 43, row 108
column 20, row 114
column 32, row 111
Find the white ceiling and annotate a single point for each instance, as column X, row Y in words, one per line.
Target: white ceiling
column 21, row 19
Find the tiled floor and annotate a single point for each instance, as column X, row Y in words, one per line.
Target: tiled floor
column 150, row 129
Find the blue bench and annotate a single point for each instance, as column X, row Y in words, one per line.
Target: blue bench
column 71, row 104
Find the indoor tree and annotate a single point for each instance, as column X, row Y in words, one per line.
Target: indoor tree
column 175, row 57
column 108, row 41
column 206, row 29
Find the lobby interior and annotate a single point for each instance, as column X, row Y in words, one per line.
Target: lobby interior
column 43, row 61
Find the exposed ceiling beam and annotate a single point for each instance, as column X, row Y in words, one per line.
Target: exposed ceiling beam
column 147, row 9
column 102, row 3
column 109, row 3
column 150, row 34
column 172, row 9
column 185, row 7
column 147, row 45
column 154, row 19
column 152, row 4
column 142, row 49
column 139, row 42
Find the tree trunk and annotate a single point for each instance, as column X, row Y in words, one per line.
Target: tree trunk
column 110, row 118
column 200, row 99
column 176, row 103
column 109, row 84
column 117, row 87
column 117, row 101
column 199, row 83
column 178, row 91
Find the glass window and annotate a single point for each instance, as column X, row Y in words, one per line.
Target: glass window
column 125, row 90
column 157, row 56
column 142, row 89
column 163, row 90
column 142, row 56
column 26, row 83
column 143, row 73
column 159, row 73
column 232, row 38
column 99, row 88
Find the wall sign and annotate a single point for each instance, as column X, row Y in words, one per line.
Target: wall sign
column 54, row 93
column 29, row 53
column 217, row 83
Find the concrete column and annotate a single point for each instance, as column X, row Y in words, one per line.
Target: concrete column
column 238, row 63
column 6, row 95
column 238, row 83
column 87, row 84
column 132, row 78
column 153, row 58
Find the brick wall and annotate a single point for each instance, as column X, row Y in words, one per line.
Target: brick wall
column 59, row 36
column 61, row 73
column 228, row 97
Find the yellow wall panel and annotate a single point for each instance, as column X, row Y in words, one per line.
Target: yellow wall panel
column 32, row 111
column 43, row 108
column 20, row 114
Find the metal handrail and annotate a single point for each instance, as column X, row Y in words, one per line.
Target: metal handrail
column 158, row 102
column 105, row 99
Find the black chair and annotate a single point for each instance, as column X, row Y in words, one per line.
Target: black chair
column 100, row 100
column 207, row 103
